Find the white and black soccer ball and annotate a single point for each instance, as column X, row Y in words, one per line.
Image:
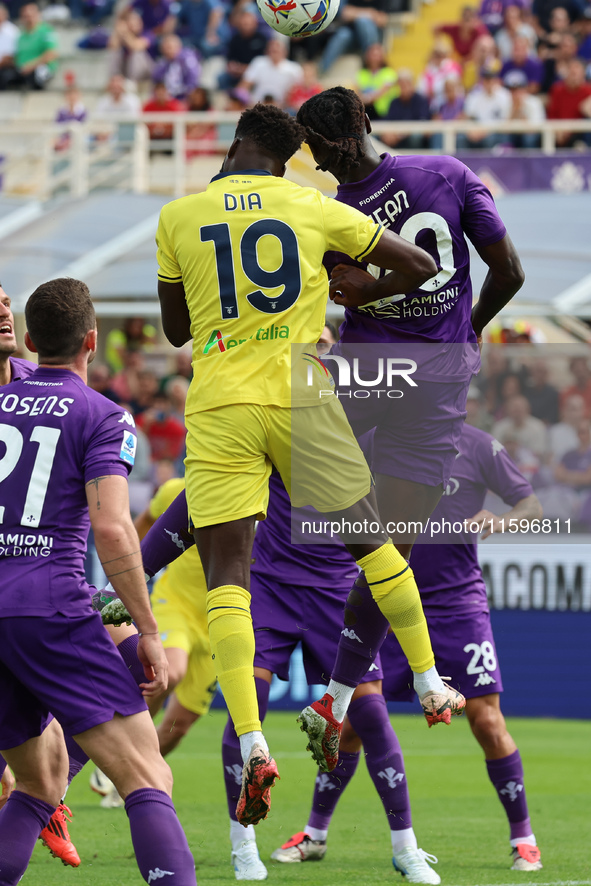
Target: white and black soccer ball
column 298, row 18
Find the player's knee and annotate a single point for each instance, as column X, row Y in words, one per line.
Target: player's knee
column 488, row 725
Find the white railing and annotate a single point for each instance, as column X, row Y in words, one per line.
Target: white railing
column 119, row 153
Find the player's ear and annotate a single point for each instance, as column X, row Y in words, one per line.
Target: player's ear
column 29, row 343
column 367, row 124
column 283, row 171
column 90, row 341
column 233, row 147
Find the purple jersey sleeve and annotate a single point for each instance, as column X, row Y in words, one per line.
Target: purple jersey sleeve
column 480, row 220
column 500, row 473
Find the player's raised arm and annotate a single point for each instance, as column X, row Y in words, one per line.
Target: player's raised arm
column 409, row 266
column 505, row 277
column 175, row 313
column 118, row 547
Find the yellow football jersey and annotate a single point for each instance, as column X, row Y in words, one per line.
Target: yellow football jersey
column 249, row 252
column 184, row 576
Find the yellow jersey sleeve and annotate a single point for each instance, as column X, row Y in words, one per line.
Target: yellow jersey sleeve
column 348, row 230
column 168, row 267
column 164, row 496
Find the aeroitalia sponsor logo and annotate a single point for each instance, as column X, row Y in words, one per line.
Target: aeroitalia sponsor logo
column 227, row 342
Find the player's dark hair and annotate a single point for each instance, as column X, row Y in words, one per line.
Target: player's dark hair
column 272, row 130
column 334, row 120
column 333, row 330
column 58, row 315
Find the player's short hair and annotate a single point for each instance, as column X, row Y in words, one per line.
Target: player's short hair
column 272, row 130
column 58, row 315
column 335, row 120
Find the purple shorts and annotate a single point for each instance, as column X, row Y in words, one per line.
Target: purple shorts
column 69, row 666
column 464, row 650
column 285, row 615
column 416, row 436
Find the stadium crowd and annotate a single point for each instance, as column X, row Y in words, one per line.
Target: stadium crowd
column 506, row 60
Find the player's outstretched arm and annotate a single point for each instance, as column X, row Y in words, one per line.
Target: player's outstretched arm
column 118, row 548
column 409, row 266
column 528, row 509
column 175, row 313
column 505, row 277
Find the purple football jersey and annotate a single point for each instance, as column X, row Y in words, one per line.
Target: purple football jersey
column 298, row 563
column 432, row 202
column 57, row 435
column 448, row 575
column 21, row 368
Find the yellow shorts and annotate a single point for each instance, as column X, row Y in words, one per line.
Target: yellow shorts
column 231, row 452
column 182, row 628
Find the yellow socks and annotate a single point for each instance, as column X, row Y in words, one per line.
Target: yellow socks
column 394, row 589
column 232, row 644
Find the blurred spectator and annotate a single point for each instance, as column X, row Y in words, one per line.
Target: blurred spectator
column 309, row 86
column 530, row 432
column 439, row 68
column 410, row 105
column 183, row 366
column 125, row 383
column 491, row 12
column 272, row 74
column 376, row 82
column 528, row 463
column 117, row 101
column 476, row 415
column 201, row 23
column 542, row 13
column 574, row 468
column 136, row 335
column 361, row 23
column 156, row 16
column 556, row 62
column 205, row 133
column 579, row 369
column 146, row 391
column 238, row 100
column 161, row 101
column 514, row 26
column 559, row 24
column 8, row 38
column 99, row 379
column 524, row 106
column 176, row 390
column 485, row 52
column 563, row 436
column 179, row 67
column 569, row 100
column 129, row 47
column 35, row 59
column 451, row 108
column 465, row 33
column 72, row 111
column 584, row 29
column 488, row 102
column 165, row 433
column 524, row 63
column 246, row 43
column 542, row 396
column 510, row 387
column 91, row 12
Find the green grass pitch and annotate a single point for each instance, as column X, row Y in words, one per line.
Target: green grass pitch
column 456, row 813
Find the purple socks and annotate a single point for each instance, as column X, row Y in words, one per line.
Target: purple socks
column 21, row 821
column 383, row 755
column 360, row 642
column 159, row 842
column 127, row 649
column 168, row 538
column 329, row 788
column 506, row 775
column 231, row 756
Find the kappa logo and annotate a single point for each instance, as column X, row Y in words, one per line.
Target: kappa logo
column 373, row 667
column 350, row 634
column 512, row 789
column 176, row 539
column 158, row 874
column 484, row 680
column 235, row 772
column 391, row 776
column 127, row 417
column 496, row 447
column 324, row 783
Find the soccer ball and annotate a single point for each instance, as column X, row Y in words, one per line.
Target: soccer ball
column 298, row 18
